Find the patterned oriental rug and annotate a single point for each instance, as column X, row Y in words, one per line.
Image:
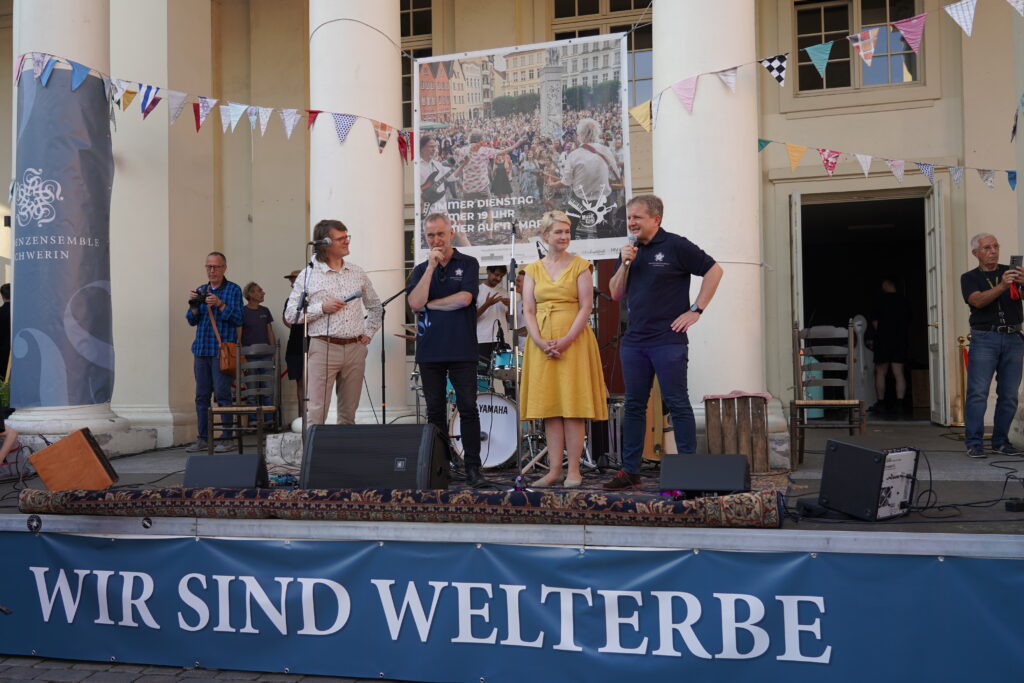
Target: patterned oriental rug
column 761, row 509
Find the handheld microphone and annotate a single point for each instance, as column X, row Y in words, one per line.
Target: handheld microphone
column 324, row 242
column 632, row 243
column 354, row 295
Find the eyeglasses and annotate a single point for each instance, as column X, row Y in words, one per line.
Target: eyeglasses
column 209, row 267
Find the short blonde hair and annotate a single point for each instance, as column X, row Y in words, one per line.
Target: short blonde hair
column 548, row 220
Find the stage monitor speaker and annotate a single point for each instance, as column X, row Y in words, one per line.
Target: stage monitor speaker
column 74, row 462
column 867, row 483
column 375, row 456
column 702, row 475
column 227, row 471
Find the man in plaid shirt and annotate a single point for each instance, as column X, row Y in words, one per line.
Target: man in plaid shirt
column 224, row 299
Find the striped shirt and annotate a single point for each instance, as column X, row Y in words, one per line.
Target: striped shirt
column 359, row 316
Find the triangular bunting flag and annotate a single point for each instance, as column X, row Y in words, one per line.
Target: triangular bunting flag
column 829, row 159
column 175, row 103
column 1011, row 177
column 864, row 44
column 927, row 169
column 126, row 99
column 728, row 77
column 313, row 113
column 44, row 77
column 655, row 106
column 987, row 176
column 865, row 162
column 119, row 86
column 795, row 154
column 252, row 118
column 962, row 13
column 896, row 166
column 289, row 117
column 147, row 92
column 38, row 62
column 776, row 67
column 150, row 107
column 957, row 174
column 686, row 90
column 1017, row 5
column 225, row 117
column 202, row 109
column 762, row 143
column 819, row 55
column 912, row 30
column 18, row 66
column 642, row 114
column 405, row 145
column 265, row 113
column 235, row 111
column 383, row 132
column 343, row 124
column 1013, row 130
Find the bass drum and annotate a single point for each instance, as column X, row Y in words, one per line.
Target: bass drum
column 498, row 430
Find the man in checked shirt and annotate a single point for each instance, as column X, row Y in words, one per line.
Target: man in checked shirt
column 339, row 331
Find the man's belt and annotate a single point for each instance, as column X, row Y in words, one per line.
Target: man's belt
column 1001, row 329
column 339, row 342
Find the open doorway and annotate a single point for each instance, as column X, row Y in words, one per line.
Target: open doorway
column 848, row 249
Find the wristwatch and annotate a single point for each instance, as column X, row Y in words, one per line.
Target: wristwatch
column 696, row 309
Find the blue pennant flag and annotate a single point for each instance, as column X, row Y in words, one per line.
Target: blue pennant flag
column 44, row 76
column 147, row 92
column 819, row 55
column 1011, row 177
column 78, row 74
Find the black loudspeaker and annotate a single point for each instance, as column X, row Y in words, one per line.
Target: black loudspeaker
column 702, row 475
column 867, row 483
column 231, row 471
column 375, row 457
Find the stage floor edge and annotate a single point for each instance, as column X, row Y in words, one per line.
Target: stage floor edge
column 638, row 538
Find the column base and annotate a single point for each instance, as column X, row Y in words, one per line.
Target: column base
column 99, row 418
column 172, row 427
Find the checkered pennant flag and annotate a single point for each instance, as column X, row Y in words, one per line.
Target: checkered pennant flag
column 776, row 67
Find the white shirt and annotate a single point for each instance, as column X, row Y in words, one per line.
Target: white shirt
column 487, row 323
column 359, row 316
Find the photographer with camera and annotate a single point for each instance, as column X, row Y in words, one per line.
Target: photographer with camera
column 218, row 302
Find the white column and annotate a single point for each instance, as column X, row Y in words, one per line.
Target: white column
column 706, row 170
column 78, row 31
column 354, row 68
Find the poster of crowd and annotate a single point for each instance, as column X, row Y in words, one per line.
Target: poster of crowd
column 507, row 134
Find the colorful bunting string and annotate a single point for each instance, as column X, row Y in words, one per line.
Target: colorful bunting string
column 829, row 159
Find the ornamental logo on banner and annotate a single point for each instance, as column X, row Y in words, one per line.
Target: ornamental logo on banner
column 35, row 198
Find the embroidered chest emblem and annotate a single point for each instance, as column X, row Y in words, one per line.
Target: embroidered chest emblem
column 659, row 257
column 458, row 272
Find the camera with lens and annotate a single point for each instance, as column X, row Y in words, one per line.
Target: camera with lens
column 199, row 298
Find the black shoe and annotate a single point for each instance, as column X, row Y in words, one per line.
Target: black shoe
column 877, row 407
column 477, row 480
column 976, row 452
column 623, row 480
column 1007, row 449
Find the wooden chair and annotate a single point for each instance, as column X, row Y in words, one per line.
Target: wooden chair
column 738, row 423
column 823, row 350
column 254, row 381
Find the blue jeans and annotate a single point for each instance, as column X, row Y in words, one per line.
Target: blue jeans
column 1002, row 355
column 640, row 364
column 210, row 380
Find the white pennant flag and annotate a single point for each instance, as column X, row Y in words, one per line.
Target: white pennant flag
column 265, row 118
column 962, row 13
column 289, row 117
column 865, row 162
column 896, row 166
column 225, row 117
column 957, row 174
column 38, row 62
column 120, row 86
column 206, row 105
column 175, row 103
column 251, row 111
column 236, row 110
column 988, row 177
column 1017, row 5
column 728, row 76
column 655, row 105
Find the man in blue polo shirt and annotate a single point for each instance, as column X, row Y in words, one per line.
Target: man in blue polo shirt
column 654, row 276
column 443, row 290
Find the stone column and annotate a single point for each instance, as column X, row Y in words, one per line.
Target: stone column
column 706, row 170
column 354, row 68
column 51, row 378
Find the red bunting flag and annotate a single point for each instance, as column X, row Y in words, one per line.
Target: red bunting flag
column 313, row 113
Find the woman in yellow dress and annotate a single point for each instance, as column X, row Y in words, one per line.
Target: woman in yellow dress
column 562, row 378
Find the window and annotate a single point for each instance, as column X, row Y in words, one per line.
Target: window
column 415, row 18
column 821, row 21
column 416, row 27
column 580, row 18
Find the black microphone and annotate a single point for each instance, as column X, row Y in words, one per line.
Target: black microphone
column 540, row 254
column 632, row 243
column 325, row 242
column 598, row 292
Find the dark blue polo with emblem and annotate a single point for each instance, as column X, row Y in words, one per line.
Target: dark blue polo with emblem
column 448, row 336
column 658, row 288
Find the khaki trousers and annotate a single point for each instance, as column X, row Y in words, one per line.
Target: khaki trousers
column 341, row 367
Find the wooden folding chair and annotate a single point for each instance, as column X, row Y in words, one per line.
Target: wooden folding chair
column 255, row 380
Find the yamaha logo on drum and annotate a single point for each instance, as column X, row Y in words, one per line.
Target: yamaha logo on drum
column 497, row 408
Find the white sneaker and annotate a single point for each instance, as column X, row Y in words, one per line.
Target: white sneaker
column 196, row 447
column 223, row 446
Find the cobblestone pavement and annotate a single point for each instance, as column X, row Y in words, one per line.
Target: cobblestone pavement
column 17, row 668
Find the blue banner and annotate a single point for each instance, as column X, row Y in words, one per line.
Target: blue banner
column 463, row 612
column 62, row 340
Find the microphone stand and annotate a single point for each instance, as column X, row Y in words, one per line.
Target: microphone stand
column 304, row 311
column 383, row 346
column 519, row 485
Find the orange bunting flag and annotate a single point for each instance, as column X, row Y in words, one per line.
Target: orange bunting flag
column 127, row 98
column 642, row 114
column 795, row 153
column 383, row 132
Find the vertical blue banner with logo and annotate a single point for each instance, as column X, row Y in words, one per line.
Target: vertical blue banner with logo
column 61, row 337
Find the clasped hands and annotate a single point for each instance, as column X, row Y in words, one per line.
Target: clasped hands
column 553, row 348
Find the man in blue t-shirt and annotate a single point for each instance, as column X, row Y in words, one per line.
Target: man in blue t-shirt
column 443, row 291
column 654, row 276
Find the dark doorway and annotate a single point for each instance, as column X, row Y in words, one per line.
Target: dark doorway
column 848, row 248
